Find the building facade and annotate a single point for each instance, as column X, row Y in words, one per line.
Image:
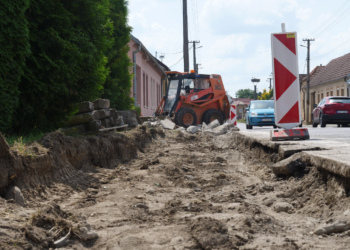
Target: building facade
column 150, row 81
column 329, row 80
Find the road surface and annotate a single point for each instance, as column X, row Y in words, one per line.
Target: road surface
column 330, row 132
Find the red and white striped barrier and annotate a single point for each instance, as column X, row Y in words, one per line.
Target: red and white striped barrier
column 233, row 115
column 286, row 79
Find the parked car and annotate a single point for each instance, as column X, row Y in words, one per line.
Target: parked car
column 332, row 110
column 260, row 113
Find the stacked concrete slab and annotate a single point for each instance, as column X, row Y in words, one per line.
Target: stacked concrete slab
column 92, row 116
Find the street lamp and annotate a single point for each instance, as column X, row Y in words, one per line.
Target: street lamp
column 255, row 82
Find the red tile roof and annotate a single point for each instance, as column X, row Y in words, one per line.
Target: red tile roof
column 336, row 69
column 314, row 72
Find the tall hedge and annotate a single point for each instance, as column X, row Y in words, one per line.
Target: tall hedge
column 119, row 81
column 14, row 47
column 67, row 63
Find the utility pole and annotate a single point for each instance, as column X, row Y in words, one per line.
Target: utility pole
column 308, row 80
column 194, row 56
column 185, row 37
column 269, row 79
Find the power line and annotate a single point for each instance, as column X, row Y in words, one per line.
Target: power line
column 331, row 51
column 180, row 59
column 329, row 18
column 336, row 21
column 171, row 53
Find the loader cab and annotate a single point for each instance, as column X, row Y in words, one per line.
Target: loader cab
column 182, row 85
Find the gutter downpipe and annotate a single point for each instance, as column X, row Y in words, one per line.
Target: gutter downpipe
column 134, row 71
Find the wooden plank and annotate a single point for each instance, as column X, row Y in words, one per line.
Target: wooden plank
column 117, row 127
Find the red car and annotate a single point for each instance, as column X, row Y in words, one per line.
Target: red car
column 332, row 110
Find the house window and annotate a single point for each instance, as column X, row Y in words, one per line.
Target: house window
column 318, row 98
column 144, row 89
column 327, row 93
column 342, row 91
column 322, row 95
column 337, row 92
column 331, row 92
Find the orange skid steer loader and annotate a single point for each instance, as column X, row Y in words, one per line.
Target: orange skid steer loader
column 192, row 99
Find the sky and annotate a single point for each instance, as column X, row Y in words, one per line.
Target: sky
column 235, row 35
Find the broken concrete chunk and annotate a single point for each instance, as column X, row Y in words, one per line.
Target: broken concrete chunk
column 337, row 227
column 182, row 129
column 204, row 126
column 106, row 123
column 118, row 121
column 290, row 165
column 16, row 194
column 82, row 118
column 84, row 107
column 93, row 126
column 213, row 124
column 113, row 113
column 192, row 129
column 101, row 114
column 102, row 104
column 282, row 207
column 167, row 124
column 129, row 117
column 87, row 233
column 220, row 130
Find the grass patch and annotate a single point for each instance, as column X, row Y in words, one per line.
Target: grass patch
column 25, row 139
column 241, row 121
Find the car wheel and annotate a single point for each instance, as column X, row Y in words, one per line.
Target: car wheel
column 314, row 124
column 247, row 125
column 322, row 121
column 338, row 125
column 274, row 126
column 345, row 125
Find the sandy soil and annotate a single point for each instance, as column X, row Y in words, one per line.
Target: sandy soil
column 184, row 192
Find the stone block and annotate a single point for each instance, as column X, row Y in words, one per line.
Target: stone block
column 84, row 107
column 79, row 129
column 213, row 124
column 118, row 121
column 16, row 194
column 102, row 104
column 113, row 113
column 82, row 118
column 129, row 117
column 93, row 126
column 101, row 114
column 106, row 123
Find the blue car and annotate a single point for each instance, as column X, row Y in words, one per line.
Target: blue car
column 260, row 113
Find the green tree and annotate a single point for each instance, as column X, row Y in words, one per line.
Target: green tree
column 266, row 95
column 245, row 93
column 14, row 47
column 67, row 64
column 119, row 81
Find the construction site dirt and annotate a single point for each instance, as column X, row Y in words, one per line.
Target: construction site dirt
column 167, row 190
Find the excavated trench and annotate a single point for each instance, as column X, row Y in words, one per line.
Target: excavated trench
column 149, row 189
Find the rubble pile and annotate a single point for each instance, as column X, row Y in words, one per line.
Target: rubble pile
column 93, row 116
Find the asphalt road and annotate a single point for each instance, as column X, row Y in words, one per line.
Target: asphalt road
column 330, row 132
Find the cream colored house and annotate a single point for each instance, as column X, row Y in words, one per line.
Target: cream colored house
column 326, row 81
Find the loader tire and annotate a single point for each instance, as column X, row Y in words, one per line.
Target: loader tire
column 212, row 115
column 185, row 117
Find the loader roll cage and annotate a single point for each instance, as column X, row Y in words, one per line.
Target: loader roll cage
column 182, row 85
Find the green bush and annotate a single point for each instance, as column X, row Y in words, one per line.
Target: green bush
column 67, row 63
column 119, row 81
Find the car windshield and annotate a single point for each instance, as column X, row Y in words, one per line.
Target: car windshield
column 339, row 100
column 262, row 105
column 171, row 98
